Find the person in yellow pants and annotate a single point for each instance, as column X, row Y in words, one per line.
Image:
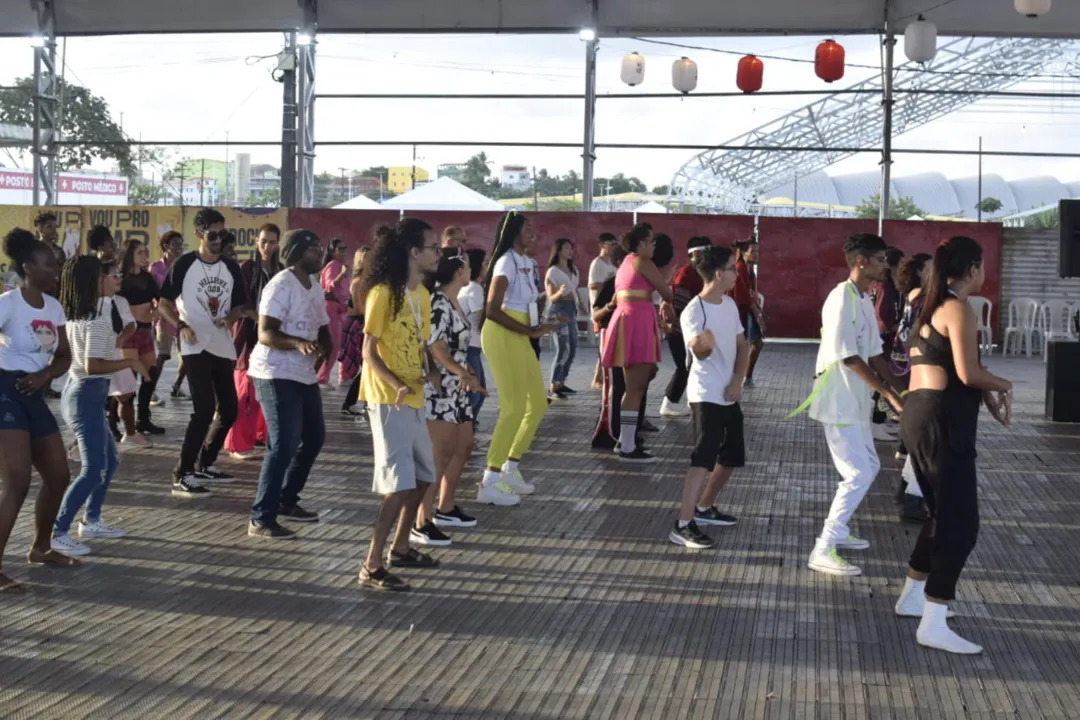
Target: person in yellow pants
column 511, row 319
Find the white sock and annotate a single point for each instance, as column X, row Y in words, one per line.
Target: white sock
column 702, row 509
column 913, row 586
column 683, row 523
column 628, row 432
column 491, row 478
column 510, row 467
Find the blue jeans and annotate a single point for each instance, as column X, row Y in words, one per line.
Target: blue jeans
column 566, row 339
column 83, row 406
column 294, row 436
column 475, row 361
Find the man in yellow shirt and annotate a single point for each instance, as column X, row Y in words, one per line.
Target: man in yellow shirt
column 397, row 328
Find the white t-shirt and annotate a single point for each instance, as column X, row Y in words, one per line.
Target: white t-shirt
column 28, row 336
column 205, row 292
column 302, row 311
column 848, row 328
column 94, row 338
column 559, row 277
column 471, row 299
column 599, row 271
column 520, row 274
column 711, row 376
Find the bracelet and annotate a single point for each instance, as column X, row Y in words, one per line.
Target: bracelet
column 904, row 393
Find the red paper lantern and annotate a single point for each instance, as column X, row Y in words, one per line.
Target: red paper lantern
column 751, row 70
column 829, row 61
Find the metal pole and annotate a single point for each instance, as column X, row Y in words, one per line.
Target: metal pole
column 589, row 148
column 288, row 123
column 795, row 210
column 305, row 126
column 886, row 139
column 536, row 191
column 979, row 206
column 45, row 105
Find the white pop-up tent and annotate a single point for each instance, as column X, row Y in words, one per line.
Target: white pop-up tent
column 652, row 207
column 443, row 194
column 360, row 202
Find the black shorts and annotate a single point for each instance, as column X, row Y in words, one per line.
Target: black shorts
column 718, row 436
column 19, row 411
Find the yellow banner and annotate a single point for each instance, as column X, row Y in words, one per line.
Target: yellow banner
column 244, row 223
column 145, row 224
column 69, row 224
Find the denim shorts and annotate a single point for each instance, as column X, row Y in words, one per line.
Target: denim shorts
column 19, row 411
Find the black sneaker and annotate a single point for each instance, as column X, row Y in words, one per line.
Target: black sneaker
column 430, row 535
column 211, row 474
column 691, row 537
column 557, row 396
column 567, row 390
column 298, row 514
column 648, row 427
column 178, row 394
column 712, row 516
column 454, row 518
column 639, row 455
column 349, row 412
column 270, row 531
column 187, row 487
column 148, row 428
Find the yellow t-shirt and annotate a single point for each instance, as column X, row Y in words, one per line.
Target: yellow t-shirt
column 401, row 344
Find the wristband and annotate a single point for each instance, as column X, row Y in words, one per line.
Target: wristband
column 904, row 393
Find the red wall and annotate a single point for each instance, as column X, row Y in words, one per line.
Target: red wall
column 801, row 260
column 355, row 227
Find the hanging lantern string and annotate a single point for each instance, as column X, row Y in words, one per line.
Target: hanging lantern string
column 875, row 68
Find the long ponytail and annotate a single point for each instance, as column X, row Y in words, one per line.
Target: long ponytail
column 953, row 259
column 506, row 234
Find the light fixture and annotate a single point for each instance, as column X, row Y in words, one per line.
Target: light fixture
column 587, row 34
column 920, row 41
column 684, row 75
column 1032, row 8
column 303, row 38
column 749, row 76
column 829, row 61
column 633, row 69
column 37, row 41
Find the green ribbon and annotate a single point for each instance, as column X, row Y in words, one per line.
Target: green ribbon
column 820, row 380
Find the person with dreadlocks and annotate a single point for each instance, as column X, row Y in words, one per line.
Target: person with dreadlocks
column 33, row 352
column 250, row 425
column 87, row 287
column 512, row 319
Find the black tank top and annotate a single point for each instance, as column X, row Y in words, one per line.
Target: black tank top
column 960, row 400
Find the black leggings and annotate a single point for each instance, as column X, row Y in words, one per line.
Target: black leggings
column 939, row 432
column 677, row 385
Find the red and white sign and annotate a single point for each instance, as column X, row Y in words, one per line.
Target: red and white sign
column 17, row 186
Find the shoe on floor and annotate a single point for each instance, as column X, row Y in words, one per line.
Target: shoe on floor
column 713, row 516
column 690, row 536
column 648, row 427
column 189, row 488
column 136, row 441
column 454, row 518
column 748, row 382
column 299, row 514
column 604, row 442
column 99, row 529
column 853, row 543
column 882, row 433
column 497, row 494
column 429, row 534
column 67, row 545
column 148, row 428
column 567, row 390
column 155, row 401
column 517, row 483
column 241, row 456
column 670, row 409
column 269, row 531
column 639, row 455
column 827, row 560
column 934, row 632
column 211, row 474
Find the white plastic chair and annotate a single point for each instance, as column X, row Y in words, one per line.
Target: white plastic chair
column 1024, row 325
column 588, row 333
column 983, row 310
column 1057, row 322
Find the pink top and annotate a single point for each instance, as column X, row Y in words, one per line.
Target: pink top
column 626, row 278
column 159, row 270
column 339, row 290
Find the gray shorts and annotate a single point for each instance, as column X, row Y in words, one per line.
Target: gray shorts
column 403, row 452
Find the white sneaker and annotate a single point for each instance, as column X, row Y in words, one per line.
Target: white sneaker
column 99, row 529
column 243, row 455
column 882, row 433
column 670, row 409
column 934, row 633
column 517, row 483
column 853, row 543
column 137, row 440
column 67, row 545
column 497, row 494
column 155, row 401
column 828, row 561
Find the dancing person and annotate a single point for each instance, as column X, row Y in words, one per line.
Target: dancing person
column 294, row 335
column 633, row 341
column 454, row 237
column 172, row 247
column 449, row 413
column 334, row 279
column 600, row 270
column 397, row 328
column 939, row 426
column 613, row 384
column 911, row 278
column 203, row 296
column 686, row 285
column 511, row 320
column 561, row 285
column 257, row 271
column 87, row 286
column 718, row 358
column 48, row 232
column 141, row 292
column 351, row 355
column 471, row 302
column 34, row 351
column 889, row 308
column 850, row 367
column 749, row 301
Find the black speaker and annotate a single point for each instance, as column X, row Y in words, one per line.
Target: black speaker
column 1069, row 254
column 1063, row 381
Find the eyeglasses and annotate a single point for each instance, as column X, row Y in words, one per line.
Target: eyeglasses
column 432, row 247
column 115, row 275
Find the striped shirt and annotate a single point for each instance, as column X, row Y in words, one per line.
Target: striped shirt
column 92, row 339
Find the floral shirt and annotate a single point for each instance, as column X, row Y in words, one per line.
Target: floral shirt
column 450, row 326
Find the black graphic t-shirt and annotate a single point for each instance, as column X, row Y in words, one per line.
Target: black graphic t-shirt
column 205, row 293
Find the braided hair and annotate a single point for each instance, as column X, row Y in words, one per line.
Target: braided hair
column 80, row 281
column 507, row 233
column 388, row 261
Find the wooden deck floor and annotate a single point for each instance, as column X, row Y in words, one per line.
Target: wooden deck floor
column 572, row 605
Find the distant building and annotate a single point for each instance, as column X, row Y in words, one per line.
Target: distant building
column 451, row 170
column 515, row 177
column 401, row 180
column 364, row 185
column 264, row 177
column 218, row 170
column 192, row 192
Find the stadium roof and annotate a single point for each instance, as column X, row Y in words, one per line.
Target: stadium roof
column 614, row 17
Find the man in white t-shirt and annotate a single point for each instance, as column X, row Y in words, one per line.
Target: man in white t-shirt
column 850, row 368
column 718, row 358
column 294, row 332
column 600, row 270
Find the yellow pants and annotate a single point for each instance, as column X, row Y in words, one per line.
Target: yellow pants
column 522, row 398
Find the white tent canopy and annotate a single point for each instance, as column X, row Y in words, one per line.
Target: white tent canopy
column 443, row 194
column 614, row 17
column 360, row 202
column 652, row 207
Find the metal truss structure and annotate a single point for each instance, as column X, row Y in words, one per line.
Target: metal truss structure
column 836, row 126
column 45, row 105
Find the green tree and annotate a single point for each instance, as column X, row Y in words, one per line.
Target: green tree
column 1046, row 220
column 900, row 208
column 373, row 171
column 989, row 205
column 269, row 197
column 661, row 190
column 83, row 116
column 141, row 193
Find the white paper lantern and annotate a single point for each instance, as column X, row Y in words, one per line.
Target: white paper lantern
column 633, row 69
column 684, row 75
column 1032, row 8
column 920, row 41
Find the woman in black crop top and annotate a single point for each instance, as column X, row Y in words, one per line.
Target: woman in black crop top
column 141, row 291
column 938, row 426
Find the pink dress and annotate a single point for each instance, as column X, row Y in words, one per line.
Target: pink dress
column 633, row 336
column 336, row 312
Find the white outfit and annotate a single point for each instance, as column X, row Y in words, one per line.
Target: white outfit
column 856, row 459
column 471, row 300
column 600, row 270
column 124, row 382
column 709, row 378
column 520, row 273
column 302, row 311
column 29, row 336
column 204, row 294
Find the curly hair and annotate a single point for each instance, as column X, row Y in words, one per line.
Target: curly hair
column 388, row 261
column 205, row 218
column 79, row 281
column 20, row 245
